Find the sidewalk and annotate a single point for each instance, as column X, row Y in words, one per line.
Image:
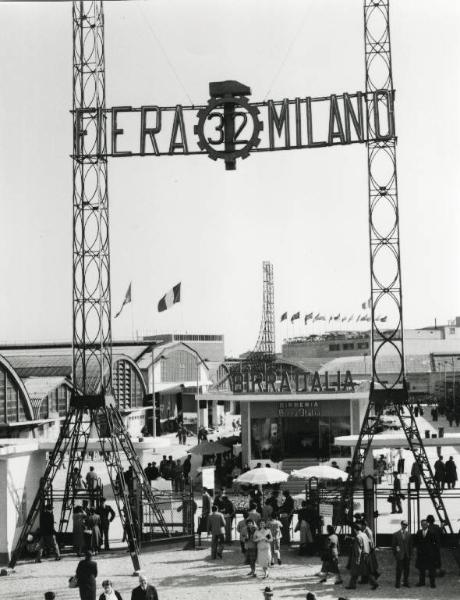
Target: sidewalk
column 192, row 575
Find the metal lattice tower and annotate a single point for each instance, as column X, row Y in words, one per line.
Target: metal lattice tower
column 92, row 335
column 92, row 407
column 265, row 346
column 386, row 290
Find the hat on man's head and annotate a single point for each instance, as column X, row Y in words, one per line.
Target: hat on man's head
column 50, row 595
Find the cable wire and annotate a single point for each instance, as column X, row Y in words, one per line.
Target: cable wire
column 288, row 52
column 171, row 66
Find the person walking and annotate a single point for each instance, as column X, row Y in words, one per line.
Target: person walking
column 186, row 468
column 144, row 591
column 426, row 554
column 451, row 473
column 206, row 503
column 440, row 473
column 86, row 576
column 216, row 527
column 416, row 475
column 47, row 533
column 331, row 562
column 396, row 494
column 401, row 461
column 373, row 563
column 107, row 515
column 286, row 513
column 251, row 547
column 92, row 484
column 78, row 530
column 253, row 513
column 401, row 544
column 162, row 468
column 94, row 523
column 263, row 538
column 437, row 534
column 242, row 530
column 275, row 527
column 359, row 559
column 228, row 510
column 303, row 525
column 109, row 593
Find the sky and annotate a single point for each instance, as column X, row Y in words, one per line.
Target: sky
column 185, row 218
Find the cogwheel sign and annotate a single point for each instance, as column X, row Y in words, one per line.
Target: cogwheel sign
column 229, row 104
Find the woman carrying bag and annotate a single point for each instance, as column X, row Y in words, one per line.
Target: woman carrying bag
column 86, row 577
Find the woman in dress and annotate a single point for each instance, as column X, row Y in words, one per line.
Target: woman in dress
column 94, row 523
column 275, row 527
column 263, row 537
column 86, row 577
column 79, row 525
column 109, row 593
column 331, row 562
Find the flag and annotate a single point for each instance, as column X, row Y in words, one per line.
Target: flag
column 350, row 318
column 363, row 318
column 283, row 317
column 295, row 316
column 169, row 299
column 367, row 304
column 383, row 319
column 308, row 317
column 344, row 319
column 127, row 300
column 330, row 318
column 320, row 317
column 337, row 317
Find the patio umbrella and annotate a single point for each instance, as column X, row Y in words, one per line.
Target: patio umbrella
column 262, row 476
column 320, row 472
column 208, row 448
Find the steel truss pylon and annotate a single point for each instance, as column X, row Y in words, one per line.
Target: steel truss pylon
column 386, row 290
column 264, row 350
column 92, row 406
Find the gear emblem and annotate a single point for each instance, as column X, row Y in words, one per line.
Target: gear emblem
column 230, row 105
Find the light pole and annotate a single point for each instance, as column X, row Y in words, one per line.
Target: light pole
column 197, row 364
column 154, row 416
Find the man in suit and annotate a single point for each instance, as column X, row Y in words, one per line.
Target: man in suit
column 426, row 554
column 402, row 549
column 216, row 527
column 107, row 515
column 144, row 591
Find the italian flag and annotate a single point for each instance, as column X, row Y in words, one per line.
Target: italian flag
column 169, row 298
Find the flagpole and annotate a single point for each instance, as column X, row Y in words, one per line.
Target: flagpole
column 132, row 319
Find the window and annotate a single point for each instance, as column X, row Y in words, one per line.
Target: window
column 452, row 330
column 348, row 346
column 362, row 345
column 334, row 347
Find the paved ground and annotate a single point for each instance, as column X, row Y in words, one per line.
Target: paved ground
column 191, row 575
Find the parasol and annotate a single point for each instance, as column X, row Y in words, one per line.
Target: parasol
column 262, row 476
column 208, row 448
column 320, row 472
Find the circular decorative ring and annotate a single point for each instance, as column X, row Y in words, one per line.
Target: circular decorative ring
column 204, row 113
